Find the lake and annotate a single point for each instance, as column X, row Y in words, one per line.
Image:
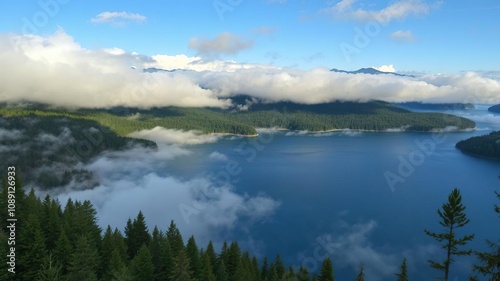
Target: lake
column 359, row 197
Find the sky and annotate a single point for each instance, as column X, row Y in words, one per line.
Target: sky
column 269, row 45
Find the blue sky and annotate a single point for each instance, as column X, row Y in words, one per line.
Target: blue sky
column 423, row 36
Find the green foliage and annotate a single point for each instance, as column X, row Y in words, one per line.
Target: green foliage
column 84, row 261
column 182, row 269
column 326, row 273
column 141, row 267
column 490, row 261
column 403, row 272
column 452, row 217
column 361, row 274
column 484, row 146
column 136, row 235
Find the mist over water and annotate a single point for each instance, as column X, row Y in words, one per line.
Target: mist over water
column 308, row 195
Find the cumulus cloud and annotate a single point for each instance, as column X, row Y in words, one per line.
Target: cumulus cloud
column 224, row 43
column 352, row 248
column 385, row 68
column 118, row 18
column 402, row 36
column 57, row 70
column 345, row 9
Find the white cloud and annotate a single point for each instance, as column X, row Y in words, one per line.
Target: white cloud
column 173, row 136
column 224, row 43
column 217, row 156
column 385, row 68
column 57, row 70
column 396, row 11
column 136, row 179
column 198, row 64
column 63, row 73
column 352, row 248
column 118, row 18
column 402, row 36
column 10, row 134
column 321, row 85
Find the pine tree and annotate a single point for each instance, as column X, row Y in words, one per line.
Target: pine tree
column 326, row 272
column 280, row 267
column 490, row 261
column 50, row 270
column 51, row 222
column 166, row 260
column 141, row 267
column 303, row 274
column 31, row 248
column 62, row 251
column 174, row 237
column 403, row 273
column 117, row 270
column 361, row 274
column 221, row 274
column 211, row 255
column 194, row 258
column 264, row 272
column 452, row 217
column 107, row 248
column 156, row 249
column 233, row 260
column 84, row 260
column 208, row 272
column 137, row 234
column 182, row 269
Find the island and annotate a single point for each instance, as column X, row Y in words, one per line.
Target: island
column 487, row 146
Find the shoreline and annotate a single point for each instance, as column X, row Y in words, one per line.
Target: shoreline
column 394, row 130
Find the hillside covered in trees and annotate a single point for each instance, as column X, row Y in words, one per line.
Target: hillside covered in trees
column 52, row 242
column 248, row 113
column 494, row 108
column 50, row 149
column 484, row 146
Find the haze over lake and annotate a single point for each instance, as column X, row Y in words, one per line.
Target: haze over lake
column 305, row 195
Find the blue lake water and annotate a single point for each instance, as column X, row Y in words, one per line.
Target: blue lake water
column 336, row 199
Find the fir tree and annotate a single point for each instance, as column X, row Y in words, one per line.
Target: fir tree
column 84, row 260
column 490, row 261
column 141, row 267
column 182, row 269
column 137, row 234
column 62, row 251
column 207, row 270
column 194, row 258
column 326, row 272
column 31, row 248
column 174, row 237
column 361, row 274
column 221, row 274
column 452, row 217
column 403, row 272
column 50, row 270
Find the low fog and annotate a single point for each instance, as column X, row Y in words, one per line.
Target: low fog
column 57, row 70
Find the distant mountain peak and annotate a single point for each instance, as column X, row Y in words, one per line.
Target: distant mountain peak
column 368, row 70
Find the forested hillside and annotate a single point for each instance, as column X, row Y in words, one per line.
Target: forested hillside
column 249, row 113
column 52, row 242
column 485, row 146
column 48, row 149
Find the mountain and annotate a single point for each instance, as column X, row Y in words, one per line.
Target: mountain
column 369, row 70
column 435, row 106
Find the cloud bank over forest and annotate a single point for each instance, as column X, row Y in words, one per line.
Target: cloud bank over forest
column 57, row 70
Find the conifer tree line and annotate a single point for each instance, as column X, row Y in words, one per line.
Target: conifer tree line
column 56, row 243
